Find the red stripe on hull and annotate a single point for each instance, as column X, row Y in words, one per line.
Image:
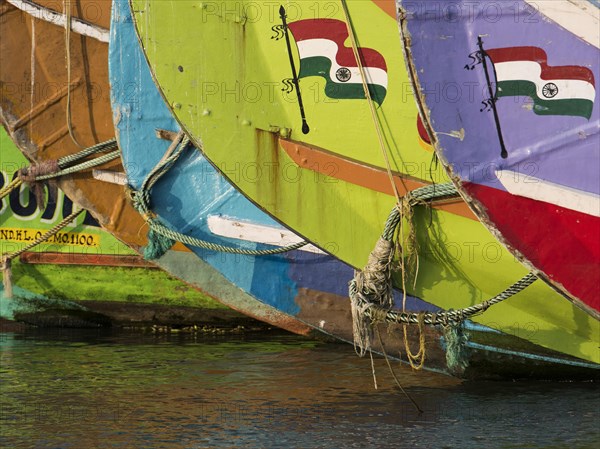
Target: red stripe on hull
column 563, row 243
column 336, row 30
column 422, row 131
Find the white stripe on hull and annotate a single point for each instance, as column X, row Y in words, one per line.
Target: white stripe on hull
column 579, row 17
column 531, row 71
column 325, row 47
column 549, row 192
column 251, row 232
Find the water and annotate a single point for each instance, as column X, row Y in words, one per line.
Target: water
column 79, row 389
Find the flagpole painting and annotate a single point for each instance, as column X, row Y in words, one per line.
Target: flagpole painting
column 322, row 53
column 321, row 50
column 305, row 127
column 562, row 90
column 493, row 99
column 524, row 71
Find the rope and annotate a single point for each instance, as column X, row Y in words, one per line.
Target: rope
column 370, row 99
column 67, row 8
column 52, row 168
column 98, row 148
column 375, row 280
column 156, row 226
column 387, row 361
column 371, row 294
column 409, row 257
column 6, row 260
column 160, row 237
column 416, row 360
column 83, row 166
column 449, row 317
column 15, row 183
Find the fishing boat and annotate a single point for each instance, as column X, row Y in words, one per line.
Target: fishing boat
column 528, row 156
column 184, row 185
column 56, row 108
column 331, row 142
column 83, row 276
column 225, row 230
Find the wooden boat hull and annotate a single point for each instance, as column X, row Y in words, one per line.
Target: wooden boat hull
column 344, row 209
column 529, row 154
column 34, row 110
column 85, row 266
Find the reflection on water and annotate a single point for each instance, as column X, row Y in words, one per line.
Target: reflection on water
column 79, row 389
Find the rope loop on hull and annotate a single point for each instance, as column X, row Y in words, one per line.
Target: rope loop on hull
column 160, row 237
column 371, row 290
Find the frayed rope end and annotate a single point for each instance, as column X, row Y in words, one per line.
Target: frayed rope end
column 157, row 245
column 457, row 353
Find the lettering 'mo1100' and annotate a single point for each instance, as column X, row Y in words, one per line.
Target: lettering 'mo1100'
column 23, row 221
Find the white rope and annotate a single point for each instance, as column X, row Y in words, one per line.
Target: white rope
column 77, row 25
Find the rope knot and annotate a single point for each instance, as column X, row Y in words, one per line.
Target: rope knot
column 141, row 202
column 29, row 174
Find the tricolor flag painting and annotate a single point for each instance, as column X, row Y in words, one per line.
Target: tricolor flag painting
column 322, row 53
column 561, row 90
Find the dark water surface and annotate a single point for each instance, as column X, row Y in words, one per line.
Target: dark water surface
column 76, row 389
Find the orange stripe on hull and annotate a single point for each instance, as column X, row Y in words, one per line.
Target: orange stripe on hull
column 373, row 178
column 388, row 6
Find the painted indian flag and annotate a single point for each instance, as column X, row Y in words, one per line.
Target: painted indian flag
column 323, row 53
column 561, row 90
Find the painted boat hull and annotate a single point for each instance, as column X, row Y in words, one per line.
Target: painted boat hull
column 530, row 149
column 85, row 277
column 33, row 107
column 343, row 209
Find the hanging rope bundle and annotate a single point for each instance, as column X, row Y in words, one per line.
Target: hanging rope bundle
column 160, row 237
column 372, row 298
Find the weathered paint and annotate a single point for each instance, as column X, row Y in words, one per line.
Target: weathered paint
column 460, row 263
column 252, row 232
column 372, row 178
column 303, row 285
column 106, row 272
column 530, row 171
column 71, row 258
column 36, row 121
column 55, row 18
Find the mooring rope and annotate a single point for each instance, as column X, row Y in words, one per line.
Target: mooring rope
column 15, row 183
column 445, row 318
column 81, row 167
column 7, row 259
column 55, row 168
column 371, row 290
column 160, row 237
